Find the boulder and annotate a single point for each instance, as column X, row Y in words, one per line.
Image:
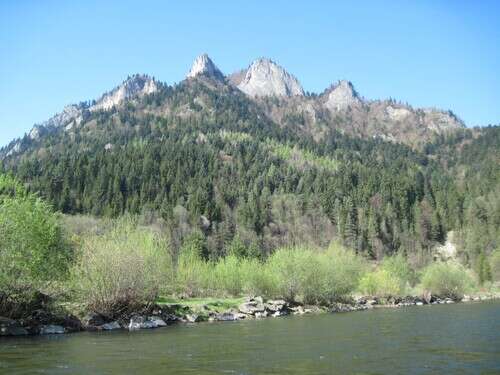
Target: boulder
column 72, row 324
column 251, row 307
column 10, row 327
column 51, row 329
column 193, row 318
column 111, row 326
column 260, row 315
column 278, row 305
column 298, row 310
column 93, row 320
column 142, row 322
column 227, row 317
column 159, row 322
column 171, row 318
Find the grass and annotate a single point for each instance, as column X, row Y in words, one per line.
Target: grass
column 202, row 305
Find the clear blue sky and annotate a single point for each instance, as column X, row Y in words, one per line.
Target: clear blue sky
column 428, row 53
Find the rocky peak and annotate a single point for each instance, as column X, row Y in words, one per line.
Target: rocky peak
column 204, row 66
column 136, row 86
column 69, row 113
column 266, row 78
column 341, row 95
column 439, row 120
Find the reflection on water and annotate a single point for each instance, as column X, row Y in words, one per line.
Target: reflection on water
column 463, row 338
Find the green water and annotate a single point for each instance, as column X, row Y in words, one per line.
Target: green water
column 462, row 338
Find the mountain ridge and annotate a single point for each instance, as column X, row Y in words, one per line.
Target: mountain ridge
column 339, row 106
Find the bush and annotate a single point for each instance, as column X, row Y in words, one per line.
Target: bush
column 33, row 251
column 257, row 280
column 193, row 275
column 314, row 276
column 380, row 283
column 228, row 279
column 495, row 265
column 446, row 280
column 392, row 278
column 342, row 270
column 122, row 269
column 293, row 272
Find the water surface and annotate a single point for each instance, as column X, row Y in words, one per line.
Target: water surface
column 462, row 339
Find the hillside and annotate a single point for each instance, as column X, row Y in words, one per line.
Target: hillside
column 251, row 158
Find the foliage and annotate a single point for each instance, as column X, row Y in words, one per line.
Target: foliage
column 235, row 172
column 449, row 280
column 293, row 272
column 193, row 275
column 380, row 283
column 495, row 265
column 121, row 269
column 314, row 276
column 33, row 250
column 391, row 278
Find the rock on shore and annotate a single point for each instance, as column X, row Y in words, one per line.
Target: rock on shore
column 45, row 323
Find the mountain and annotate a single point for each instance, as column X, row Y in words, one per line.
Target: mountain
column 341, row 96
column 250, row 157
column 266, row 78
column 281, row 97
column 133, row 87
column 204, row 66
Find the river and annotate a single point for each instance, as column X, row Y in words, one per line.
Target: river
column 462, row 338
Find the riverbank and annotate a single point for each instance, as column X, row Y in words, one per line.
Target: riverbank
column 170, row 311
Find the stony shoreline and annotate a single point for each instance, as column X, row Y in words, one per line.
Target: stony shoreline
column 162, row 315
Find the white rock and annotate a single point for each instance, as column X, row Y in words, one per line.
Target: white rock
column 341, row 96
column 157, row 321
column 203, row 65
column 51, row 330
column 111, row 326
column 397, row 114
column 266, row 78
column 135, row 86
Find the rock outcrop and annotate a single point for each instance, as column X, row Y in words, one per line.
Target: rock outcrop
column 266, row 78
column 204, row 66
column 136, row 86
column 341, row 96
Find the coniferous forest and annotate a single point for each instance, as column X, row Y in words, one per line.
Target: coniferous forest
column 200, row 159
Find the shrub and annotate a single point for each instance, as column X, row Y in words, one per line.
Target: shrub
column 33, row 251
column 193, row 275
column 398, row 267
column 291, row 269
column 256, row 277
column 342, row 270
column 495, row 265
column 392, row 278
column 449, row 280
column 227, row 276
column 10, row 187
column 122, row 269
column 314, row 276
column 380, row 283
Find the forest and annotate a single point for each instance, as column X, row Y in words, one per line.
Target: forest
column 225, row 177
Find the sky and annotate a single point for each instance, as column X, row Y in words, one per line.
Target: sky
column 443, row 54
